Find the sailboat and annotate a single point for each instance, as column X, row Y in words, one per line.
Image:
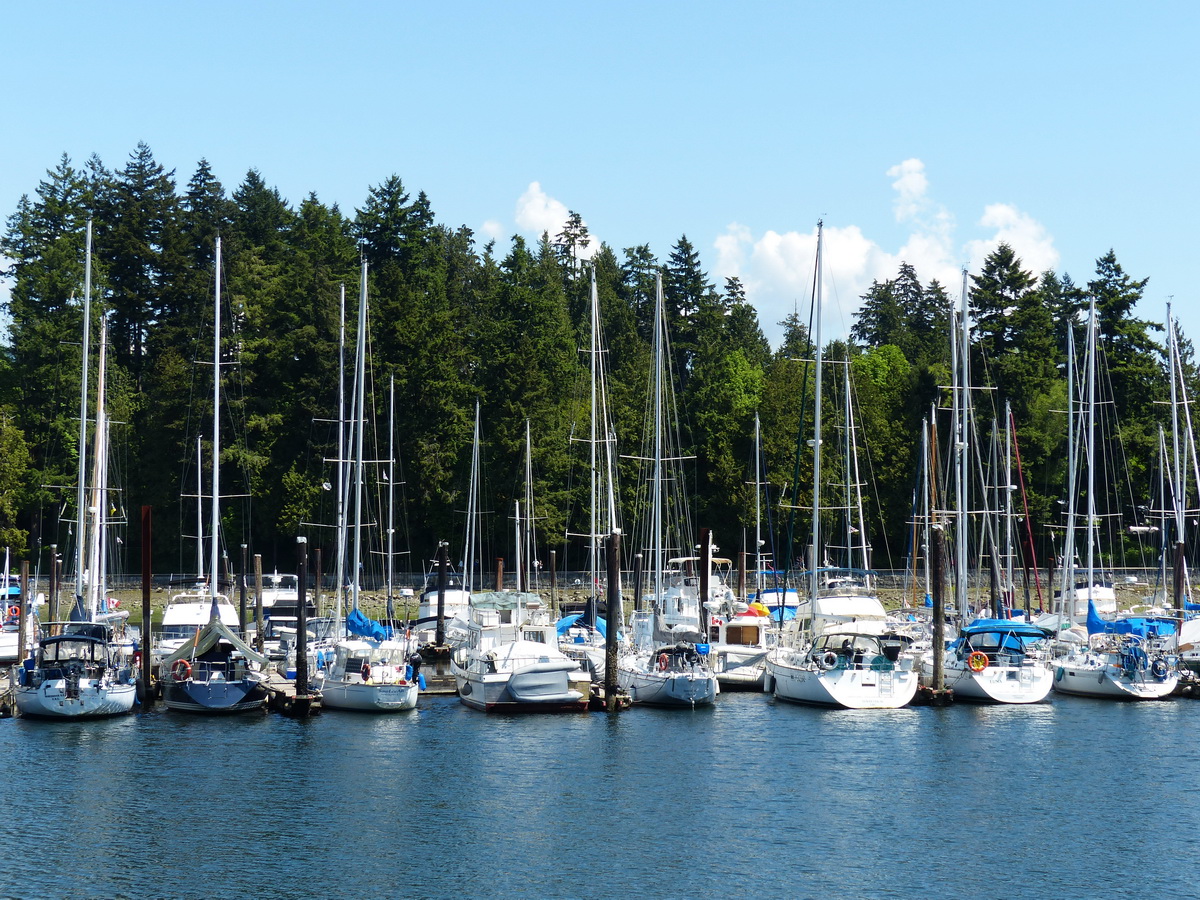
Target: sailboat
column 370, row 671
column 992, row 660
column 838, row 652
column 80, row 671
column 583, row 631
column 1119, row 661
column 665, row 662
column 211, row 669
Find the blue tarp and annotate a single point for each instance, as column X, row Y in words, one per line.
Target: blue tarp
column 563, row 624
column 1142, row 626
column 1008, row 626
column 358, row 623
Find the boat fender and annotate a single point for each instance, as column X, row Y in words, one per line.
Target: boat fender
column 1058, row 674
column 977, row 661
column 420, row 681
column 1159, row 668
column 182, row 670
column 828, row 660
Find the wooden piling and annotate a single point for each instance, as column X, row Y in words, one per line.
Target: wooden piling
column 148, row 693
column 612, row 623
column 259, row 637
column 938, row 695
column 637, row 581
column 499, row 573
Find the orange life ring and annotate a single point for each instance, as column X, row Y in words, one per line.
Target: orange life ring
column 182, row 670
column 14, row 611
column 977, row 661
column 663, row 661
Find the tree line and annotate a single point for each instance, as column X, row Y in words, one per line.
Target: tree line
column 453, row 323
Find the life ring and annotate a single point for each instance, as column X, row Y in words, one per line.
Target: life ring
column 663, row 662
column 977, row 661
column 182, row 670
column 828, row 660
column 14, row 611
column 137, row 659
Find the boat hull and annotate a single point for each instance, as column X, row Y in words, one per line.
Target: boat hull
column 369, row 697
column 52, row 700
column 797, row 681
column 1110, row 683
column 557, row 686
column 674, row 689
column 215, row 697
column 995, row 684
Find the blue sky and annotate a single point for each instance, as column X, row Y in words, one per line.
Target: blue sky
column 924, row 132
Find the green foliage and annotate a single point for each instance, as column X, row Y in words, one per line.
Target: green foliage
column 452, row 323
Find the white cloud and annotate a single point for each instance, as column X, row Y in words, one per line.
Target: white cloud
column 538, row 213
column 492, row 230
column 1033, row 245
column 777, row 267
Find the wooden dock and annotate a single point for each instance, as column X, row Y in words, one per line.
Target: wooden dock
column 282, row 698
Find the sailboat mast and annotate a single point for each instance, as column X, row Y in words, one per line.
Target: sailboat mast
column 1091, row 452
column 758, row 541
column 81, row 489
column 1067, row 593
column 964, row 376
column 359, row 425
column 530, row 552
column 340, row 562
column 391, row 484
column 472, row 506
column 656, row 487
column 199, row 510
column 593, row 528
column 816, row 502
column 95, row 586
column 216, row 429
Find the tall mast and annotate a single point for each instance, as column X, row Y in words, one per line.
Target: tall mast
column 593, row 527
column 359, row 423
column 81, row 489
column 199, row 510
column 216, row 430
column 1091, row 452
column 472, row 506
column 758, row 541
column 656, row 485
column 1067, row 593
column 342, row 487
column 95, row 586
column 391, row 483
column 963, row 458
column 816, row 502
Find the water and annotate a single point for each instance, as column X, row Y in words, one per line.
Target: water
column 1073, row 798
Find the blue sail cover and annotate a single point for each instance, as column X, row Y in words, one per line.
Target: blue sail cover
column 1141, row 626
column 358, row 623
column 563, row 625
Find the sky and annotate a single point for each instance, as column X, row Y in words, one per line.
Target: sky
column 924, row 132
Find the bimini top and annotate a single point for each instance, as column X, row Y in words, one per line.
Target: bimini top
column 1007, row 626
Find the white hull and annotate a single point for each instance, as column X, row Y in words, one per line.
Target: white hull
column 995, row 684
column 368, row 697
column 1110, row 682
column 648, row 686
column 49, row 700
column 739, row 667
column 797, row 680
column 551, row 686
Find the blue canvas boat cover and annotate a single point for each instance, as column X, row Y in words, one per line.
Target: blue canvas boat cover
column 1008, row 626
column 1141, row 626
column 358, row 623
column 563, row 625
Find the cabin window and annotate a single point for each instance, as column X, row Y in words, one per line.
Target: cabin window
column 537, row 636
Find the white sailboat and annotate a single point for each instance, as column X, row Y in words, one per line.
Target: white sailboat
column 369, row 672
column 991, row 660
column 665, row 662
column 837, row 653
column 81, row 671
column 1114, row 665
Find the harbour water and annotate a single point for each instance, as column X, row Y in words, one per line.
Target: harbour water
column 752, row 797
